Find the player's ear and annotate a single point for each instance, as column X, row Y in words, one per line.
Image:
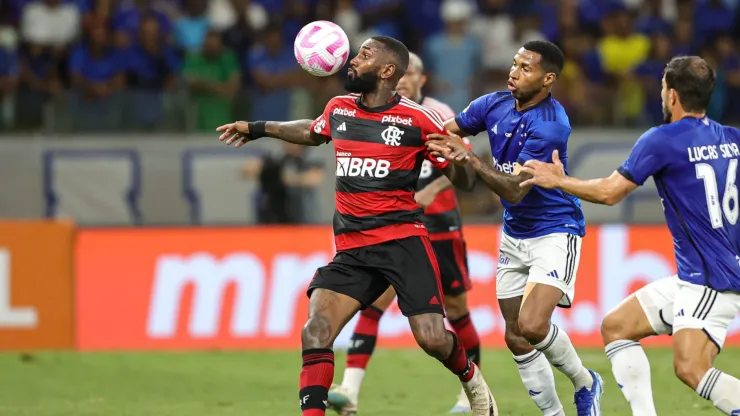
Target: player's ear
column 387, row 71
column 674, row 96
column 549, row 79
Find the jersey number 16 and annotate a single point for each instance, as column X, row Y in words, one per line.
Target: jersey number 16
column 705, row 172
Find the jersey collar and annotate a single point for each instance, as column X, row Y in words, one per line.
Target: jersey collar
column 394, row 102
column 546, row 99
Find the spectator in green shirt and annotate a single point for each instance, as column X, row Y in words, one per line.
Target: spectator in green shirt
column 213, row 77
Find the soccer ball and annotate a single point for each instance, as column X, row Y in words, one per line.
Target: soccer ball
column 321, row 48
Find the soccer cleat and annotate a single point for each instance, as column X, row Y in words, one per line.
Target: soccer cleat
column 588, row 402
column 340, row 401
column 462, row 407
column 479, row 395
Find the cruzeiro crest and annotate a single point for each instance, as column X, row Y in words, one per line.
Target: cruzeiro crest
column 392, row 136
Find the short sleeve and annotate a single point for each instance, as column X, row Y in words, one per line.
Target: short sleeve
column 542, row 140
column 645, row 158
column 472, row 120
column 322, row 124
column 431, row 123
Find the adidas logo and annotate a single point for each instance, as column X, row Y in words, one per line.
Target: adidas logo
column 434, row 301
column 554, row 274
column 342, row 127
column 455, row 284
column 680, row 313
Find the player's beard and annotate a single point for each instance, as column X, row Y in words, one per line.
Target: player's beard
column 667, row 116
column 362, row 84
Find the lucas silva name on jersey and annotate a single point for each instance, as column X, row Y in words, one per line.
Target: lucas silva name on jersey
column 699, row 153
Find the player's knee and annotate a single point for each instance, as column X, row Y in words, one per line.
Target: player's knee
column 432, row 338
column 516, row 343
column 689, row 370
column 534, row 330
column 613, row 328
column 317, row 333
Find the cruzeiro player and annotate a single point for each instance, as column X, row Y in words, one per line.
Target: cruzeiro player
column 442, row 218
column 541, row 242
column 694, row 162
column 379, row 233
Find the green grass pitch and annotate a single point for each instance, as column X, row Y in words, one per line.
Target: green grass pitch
column 399, row 383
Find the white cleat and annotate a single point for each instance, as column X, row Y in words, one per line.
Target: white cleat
column 340, row 400
column 479, row 395
column 462, row 407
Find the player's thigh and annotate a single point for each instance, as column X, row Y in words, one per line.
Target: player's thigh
column 553, row 261
column 410, row 266
column 511, row 272
column 646, row 312
column 453, row 265
column 348, row 274
column 385, row 300
column 704, row 309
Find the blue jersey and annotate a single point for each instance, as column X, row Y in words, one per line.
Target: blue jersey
column 694, row 164
column 516, row 137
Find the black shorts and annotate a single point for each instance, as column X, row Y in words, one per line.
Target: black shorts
column 453, row 265
column 364, row 273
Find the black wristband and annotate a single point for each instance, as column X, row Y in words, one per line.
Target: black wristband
column 257, row 129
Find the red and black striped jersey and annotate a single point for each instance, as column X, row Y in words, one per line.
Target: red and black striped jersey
column 442, row 217
column 379, row 154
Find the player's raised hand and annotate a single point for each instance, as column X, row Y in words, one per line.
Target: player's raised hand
column 449, row 147
column 544, row 175
column 237, row 131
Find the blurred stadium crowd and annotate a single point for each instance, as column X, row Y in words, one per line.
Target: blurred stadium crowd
column 190, row 65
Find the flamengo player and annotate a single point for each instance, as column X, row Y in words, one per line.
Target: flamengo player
column 541, row 242
column 693, row 161
column 380, row 237
column 442, row 218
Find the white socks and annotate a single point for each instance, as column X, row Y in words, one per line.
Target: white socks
column 721, row 389
column 536, row 374
column 352, row 382
column 631, row 369
column 560, row 352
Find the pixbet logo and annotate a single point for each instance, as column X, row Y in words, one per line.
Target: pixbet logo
column 344, row 112
column 397, row 120
column 362, row 166
column 507, row 167
column 289, row 274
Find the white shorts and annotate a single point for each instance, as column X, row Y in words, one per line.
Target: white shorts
column 672, row 304
column 551, row 259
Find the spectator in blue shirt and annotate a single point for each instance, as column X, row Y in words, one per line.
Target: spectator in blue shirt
column 38, row 82
column 127, row 19
column 152, row 69
column 191, row 28
column 711, row 18
column 274, row 72
column 97, row 71
column 453, row 56
column 650, row 73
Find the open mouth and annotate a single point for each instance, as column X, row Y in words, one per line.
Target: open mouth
column 511, row 85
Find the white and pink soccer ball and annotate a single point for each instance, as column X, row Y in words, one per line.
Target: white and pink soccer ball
column 321, row 48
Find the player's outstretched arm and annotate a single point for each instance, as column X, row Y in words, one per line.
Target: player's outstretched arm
column 460, row 175
column 454, row 149
column 606, row 191
column 298, row 132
